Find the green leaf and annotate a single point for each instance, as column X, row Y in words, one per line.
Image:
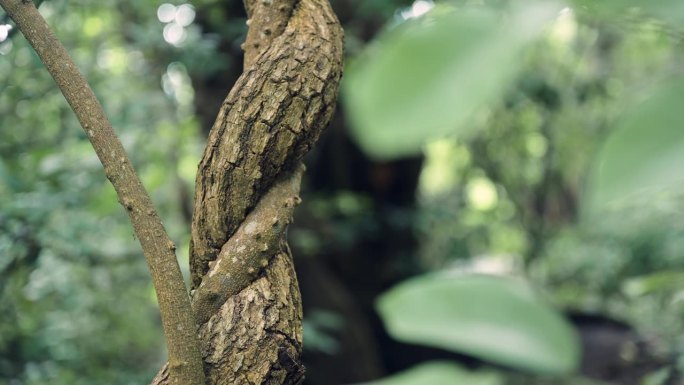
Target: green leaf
column 427, row 77
column 643, row 158
column 497, row 319
column 661, row 281
column 658, row 377
column 668, row 10
column 439, row 372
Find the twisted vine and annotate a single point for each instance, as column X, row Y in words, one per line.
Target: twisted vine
column 245, row 293
column 270, row 119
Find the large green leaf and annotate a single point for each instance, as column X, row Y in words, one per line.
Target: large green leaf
column 644, row 157
column 426, row 77
column 439, row 372
column 498, row 319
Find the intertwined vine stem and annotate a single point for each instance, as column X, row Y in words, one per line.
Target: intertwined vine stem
column 245, row 293
column 270, row 119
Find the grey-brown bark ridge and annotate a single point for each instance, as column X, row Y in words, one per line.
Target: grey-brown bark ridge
column 245, row 291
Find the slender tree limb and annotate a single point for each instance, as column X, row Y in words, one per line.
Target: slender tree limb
column 177, row 318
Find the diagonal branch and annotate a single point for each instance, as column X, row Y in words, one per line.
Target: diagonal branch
column 174, row 304
column 251, row 249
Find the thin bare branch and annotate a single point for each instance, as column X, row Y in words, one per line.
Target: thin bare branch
column 185, row 366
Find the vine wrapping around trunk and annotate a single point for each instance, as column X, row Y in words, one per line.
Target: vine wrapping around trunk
column 269, row 121
column 245, row 290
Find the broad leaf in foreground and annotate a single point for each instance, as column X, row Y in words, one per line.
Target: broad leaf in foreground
column 642, row 160
column 428, row 76
column 439, row 372
column 497, row 319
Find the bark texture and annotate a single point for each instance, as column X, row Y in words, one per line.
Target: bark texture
column 250, row 250
column 270, row 119
column 245, row 291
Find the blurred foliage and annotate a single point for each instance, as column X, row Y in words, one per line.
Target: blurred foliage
column 637, row 161
column 428, row 75
column 552, row 142
column 504, row 189
column 667, row 10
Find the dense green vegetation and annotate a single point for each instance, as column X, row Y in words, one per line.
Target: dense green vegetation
column 545, row 140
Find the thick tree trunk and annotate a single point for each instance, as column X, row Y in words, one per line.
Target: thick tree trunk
column 245, row 292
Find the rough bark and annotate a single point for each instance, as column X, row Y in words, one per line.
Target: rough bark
column 270, row 119
column 174, row 304
column 246, row 293
column 251, row 249
column 249, row 304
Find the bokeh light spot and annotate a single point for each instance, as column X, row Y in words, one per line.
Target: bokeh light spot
column 418, row 8
column 174, row 34
column 4, row 31
column 481, row 193
column 185, row 14
column 166, row 12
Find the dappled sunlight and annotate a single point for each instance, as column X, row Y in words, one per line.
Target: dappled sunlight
column 481, row 194
column 93, row 26
column 4, row 31
column 565, row 28
column 113, row 59
column 418, row 9
column 176, row 84
column 442, row 158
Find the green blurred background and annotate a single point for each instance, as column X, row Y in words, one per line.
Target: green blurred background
column 497, row 201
